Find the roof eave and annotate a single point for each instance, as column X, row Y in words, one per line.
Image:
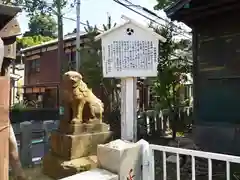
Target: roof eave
column 9, row 10
column 171, row 10
column 52, row 42
column 7, row 13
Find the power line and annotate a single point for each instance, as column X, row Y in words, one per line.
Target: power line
column 128, row 7
column 72, row 19
column 154, row 14
column 69, row 10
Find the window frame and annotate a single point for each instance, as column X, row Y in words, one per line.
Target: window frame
column 72, row 60
column 34, row 66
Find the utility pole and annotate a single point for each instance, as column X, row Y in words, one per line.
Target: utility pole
column 61, row 55
column 13, row 95
column 78, row 58
column 61, row 52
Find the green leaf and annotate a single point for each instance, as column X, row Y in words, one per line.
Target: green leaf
column 28, row 41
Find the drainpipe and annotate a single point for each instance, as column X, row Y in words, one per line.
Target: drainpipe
column 13, row 82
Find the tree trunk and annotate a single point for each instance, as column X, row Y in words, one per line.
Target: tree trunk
column 174, row 120
column 174, row 131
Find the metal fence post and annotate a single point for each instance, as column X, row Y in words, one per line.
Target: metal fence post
column 146, row 161
column 26, row 143
column 48, row 126
column 151, row 164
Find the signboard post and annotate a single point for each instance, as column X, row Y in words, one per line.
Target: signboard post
column 129, row 51
column 129, row 109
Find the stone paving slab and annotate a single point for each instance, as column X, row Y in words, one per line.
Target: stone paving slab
column 94, row 174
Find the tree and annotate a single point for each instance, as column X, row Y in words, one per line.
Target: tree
column 28, row 41
column 109, row 24
column 42, row 24
column 89, row 28
column 173, row 66
column 161, row 4
column 32, row 7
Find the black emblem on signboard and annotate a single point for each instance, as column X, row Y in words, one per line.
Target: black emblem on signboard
column 130, row 31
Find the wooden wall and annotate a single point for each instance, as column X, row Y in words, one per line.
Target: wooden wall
column 4, row 127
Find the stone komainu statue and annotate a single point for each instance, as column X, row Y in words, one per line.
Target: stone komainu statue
column 78, row 97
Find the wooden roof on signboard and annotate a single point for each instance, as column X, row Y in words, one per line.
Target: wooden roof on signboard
column 131, row 21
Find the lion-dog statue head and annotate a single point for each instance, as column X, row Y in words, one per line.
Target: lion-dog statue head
column 80, row 97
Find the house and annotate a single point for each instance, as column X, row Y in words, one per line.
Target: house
column 42, row 74
column 17, row 83
column 216, row 70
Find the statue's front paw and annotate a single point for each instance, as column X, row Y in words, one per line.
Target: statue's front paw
column 76, row 120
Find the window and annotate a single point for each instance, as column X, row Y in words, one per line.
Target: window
column 72, row 60
column 35, row 66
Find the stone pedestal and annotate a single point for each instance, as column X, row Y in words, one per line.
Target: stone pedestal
column 74, row 148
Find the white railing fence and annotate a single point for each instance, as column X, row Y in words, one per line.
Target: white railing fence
column 149, row 162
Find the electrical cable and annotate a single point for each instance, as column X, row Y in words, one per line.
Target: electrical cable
column 128, row 7
column 68, row 11
column 154, row 14
column 72, row 19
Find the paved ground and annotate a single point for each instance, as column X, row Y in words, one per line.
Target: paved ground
column 35, row 174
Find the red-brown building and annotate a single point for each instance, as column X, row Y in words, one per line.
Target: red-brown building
column 42, row 74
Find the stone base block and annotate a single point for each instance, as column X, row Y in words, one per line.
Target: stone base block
column 57, row 168
column 78, row 128
column 76, row 146
column 122, row 158
column 94, row 174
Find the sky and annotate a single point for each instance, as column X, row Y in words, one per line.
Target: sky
column 96, row 11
